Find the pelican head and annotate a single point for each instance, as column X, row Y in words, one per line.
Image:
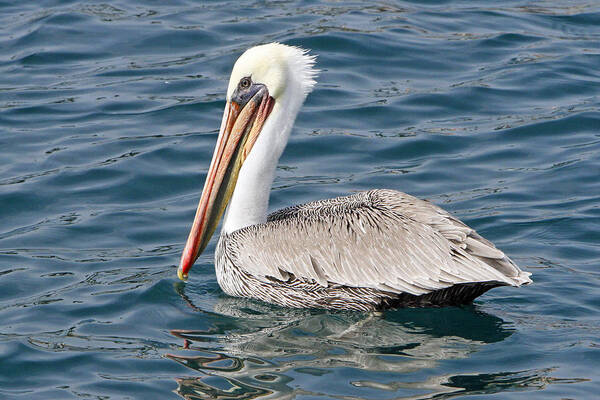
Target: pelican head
column 268, row 85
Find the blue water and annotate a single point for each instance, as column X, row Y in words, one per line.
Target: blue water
column 108, row 115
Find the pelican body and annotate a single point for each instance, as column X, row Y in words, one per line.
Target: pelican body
column 367, row 251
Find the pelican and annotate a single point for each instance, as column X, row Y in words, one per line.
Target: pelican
column 368, row 251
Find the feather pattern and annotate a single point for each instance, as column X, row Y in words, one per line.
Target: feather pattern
column 370, row 250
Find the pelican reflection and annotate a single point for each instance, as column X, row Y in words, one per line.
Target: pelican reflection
column 256, row 350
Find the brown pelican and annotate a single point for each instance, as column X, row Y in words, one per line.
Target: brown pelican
column 368, row 251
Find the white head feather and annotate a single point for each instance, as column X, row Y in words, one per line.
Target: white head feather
column 289, row 75
column 276, row 65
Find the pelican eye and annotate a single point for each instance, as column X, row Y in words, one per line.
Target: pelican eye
column 245, row 83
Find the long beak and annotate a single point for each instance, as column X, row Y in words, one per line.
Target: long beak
column 239, row 130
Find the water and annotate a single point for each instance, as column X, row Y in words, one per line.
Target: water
column 108, row 115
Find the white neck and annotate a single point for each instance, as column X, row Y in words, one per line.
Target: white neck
column 250, row 200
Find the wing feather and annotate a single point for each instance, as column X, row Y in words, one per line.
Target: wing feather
column 380, row 239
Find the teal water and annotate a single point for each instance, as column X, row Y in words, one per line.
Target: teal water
column 108, row 115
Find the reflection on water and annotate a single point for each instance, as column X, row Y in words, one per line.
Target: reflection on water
column 257, row 350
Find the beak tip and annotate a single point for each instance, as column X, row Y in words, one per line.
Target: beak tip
column 181, row 275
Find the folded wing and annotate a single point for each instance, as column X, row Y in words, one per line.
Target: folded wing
column 381, row 239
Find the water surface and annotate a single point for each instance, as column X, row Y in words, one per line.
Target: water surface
column 108, row 115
